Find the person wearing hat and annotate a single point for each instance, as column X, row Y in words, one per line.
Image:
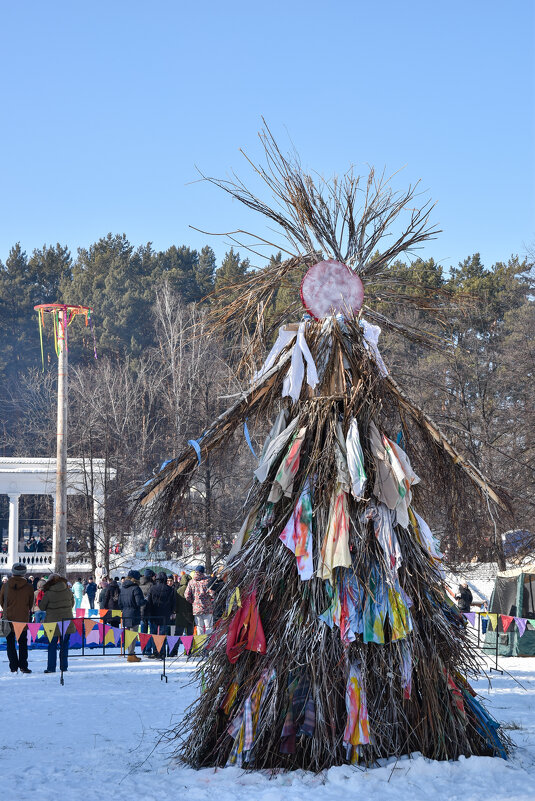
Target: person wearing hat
column 132, row 603
column 464, row 597
column 145, row 583
column 200, row 596
column 57, row 603
column 16, row 600
column 161, row 601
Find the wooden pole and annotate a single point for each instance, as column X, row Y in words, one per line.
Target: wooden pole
column 60, row 545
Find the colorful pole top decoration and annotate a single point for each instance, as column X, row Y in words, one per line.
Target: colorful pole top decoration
column 62, row 315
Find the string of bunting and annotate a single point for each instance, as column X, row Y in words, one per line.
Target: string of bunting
column 103, row 633
column 506, row 620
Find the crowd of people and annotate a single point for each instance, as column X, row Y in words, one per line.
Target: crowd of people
column 153, row 603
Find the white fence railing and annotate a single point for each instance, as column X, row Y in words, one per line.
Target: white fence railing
column 45, row 559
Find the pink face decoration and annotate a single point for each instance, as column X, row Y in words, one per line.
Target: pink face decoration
column 329, row 287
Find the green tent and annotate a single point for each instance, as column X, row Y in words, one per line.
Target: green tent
column 513, row 594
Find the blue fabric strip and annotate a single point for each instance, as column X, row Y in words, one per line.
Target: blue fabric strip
column 248, row 438
column 195, row 445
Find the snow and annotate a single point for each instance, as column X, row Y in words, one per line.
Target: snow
column 98, row 736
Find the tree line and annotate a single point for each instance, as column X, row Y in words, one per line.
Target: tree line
column 160, row 378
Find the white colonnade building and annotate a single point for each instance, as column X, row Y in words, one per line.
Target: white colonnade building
column 20, row 476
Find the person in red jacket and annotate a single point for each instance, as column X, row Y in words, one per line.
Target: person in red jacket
column 201, row 598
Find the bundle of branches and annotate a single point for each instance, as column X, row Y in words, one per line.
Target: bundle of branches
column 339, row 641
column 360, row 221
column 365, row 656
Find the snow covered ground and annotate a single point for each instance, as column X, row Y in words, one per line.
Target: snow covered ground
column 97, row 737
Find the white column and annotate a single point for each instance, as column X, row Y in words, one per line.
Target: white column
column 13, row 530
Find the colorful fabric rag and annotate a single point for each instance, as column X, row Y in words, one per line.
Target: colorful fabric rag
column 345, row 609
column 340, row 455
column 273, row 446
column 230, row 698
column 398, row 613
column 245, row 632
column 382, row 519
column 424, row 535
column 356, row 732
column 376, row 608
column 284, row 338
column 406, row 668
column 243, row 727
column 456, row 694
column 485, row 725
column 335, row 547
column 300, row 717
column 293, row 380
column 244, row 533
column 288, row 468
column 371, row 339
column 394, row 475
column 297, row 534
column 355, row 460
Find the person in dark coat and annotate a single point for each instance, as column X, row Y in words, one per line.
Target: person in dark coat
column 161, row 602
column 110, row 601
column 132, row 603
column 217, row 585
column 464, row 597
column 18, row 608
column 145, row 583
column 91, row 591
column 183, row 608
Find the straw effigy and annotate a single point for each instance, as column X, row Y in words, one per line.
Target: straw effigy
column 339, row 642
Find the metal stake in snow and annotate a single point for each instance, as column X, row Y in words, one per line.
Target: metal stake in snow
column 62, row 315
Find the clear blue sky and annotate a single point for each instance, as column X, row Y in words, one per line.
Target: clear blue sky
column 108, row 106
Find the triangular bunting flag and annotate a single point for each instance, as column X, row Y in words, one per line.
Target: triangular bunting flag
column 159, row 640
column 89, row 625
column 187, row 641
column 521, row 624
column 93, row 638
column 172, row 641
column 116, row 612
column 18, row 629
column 109, row 638
column 117, row 635
column 79, row 626
column 50, row 630
column 63, row 625
column 531, row 622
column 80, row 612
column 198, row 642
column 143, row 639
column 471, row 617
column 129, row 637
column 506, row 621
column 33, row 628
column 103, row 612
column 493, row 620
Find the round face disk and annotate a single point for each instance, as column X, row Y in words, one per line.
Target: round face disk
column 329, row 287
